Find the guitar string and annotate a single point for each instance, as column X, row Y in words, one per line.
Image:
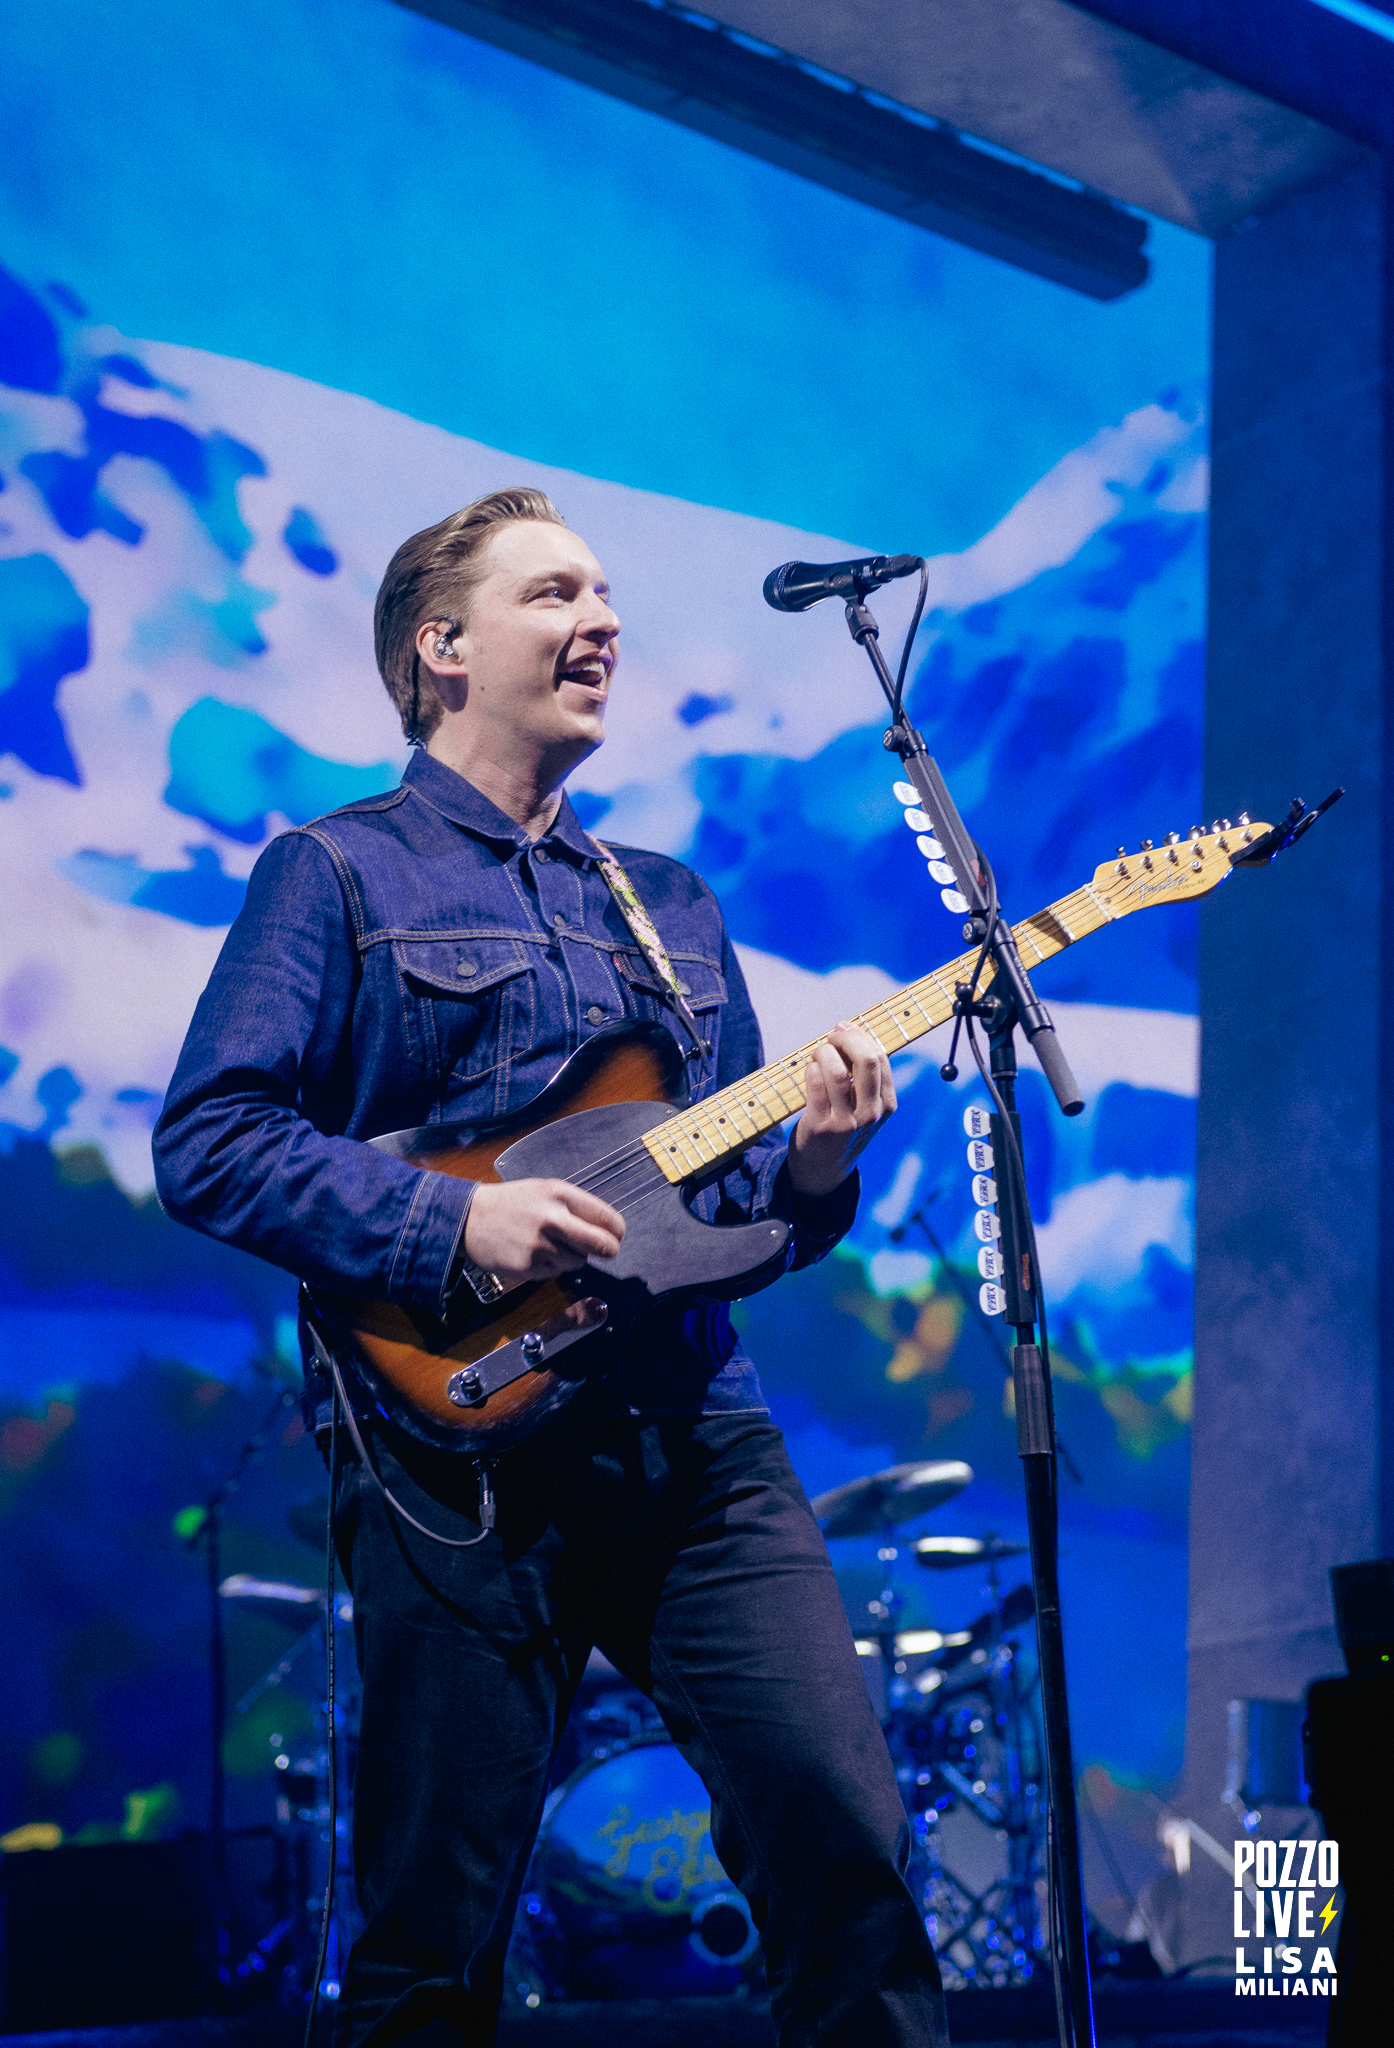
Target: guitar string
column 1079, row 906
column 611, row 1166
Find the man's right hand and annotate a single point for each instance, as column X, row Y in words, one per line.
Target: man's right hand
column 529, row 1230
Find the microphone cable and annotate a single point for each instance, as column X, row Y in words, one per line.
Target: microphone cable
column 909, row 642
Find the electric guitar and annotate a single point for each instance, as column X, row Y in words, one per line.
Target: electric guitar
column 609, row 1121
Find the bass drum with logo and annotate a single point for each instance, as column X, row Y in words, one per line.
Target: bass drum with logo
column 624, row 1895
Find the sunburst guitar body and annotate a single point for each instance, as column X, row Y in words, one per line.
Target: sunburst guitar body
column 489, row 1374
column 613, row 1121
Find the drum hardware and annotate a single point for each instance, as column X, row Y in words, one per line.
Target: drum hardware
column 302, row 1794
column 876, row 1506
column 989, row 1935
column 962, row 1741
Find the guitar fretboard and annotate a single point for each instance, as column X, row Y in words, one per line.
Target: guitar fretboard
column 725, row 1123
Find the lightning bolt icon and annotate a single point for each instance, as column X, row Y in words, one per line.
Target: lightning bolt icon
column 1328, row 1912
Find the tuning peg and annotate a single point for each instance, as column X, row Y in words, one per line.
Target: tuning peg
column 1172, row 839
column 1242, row 819
column 1217, row 824
column 1122, row 853
column 1147, row 845
column 1196, row 832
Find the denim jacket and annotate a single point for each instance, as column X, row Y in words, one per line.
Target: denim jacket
column 415, row 959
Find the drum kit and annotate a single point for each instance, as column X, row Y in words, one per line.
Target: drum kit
column 624, row 1896
column 960, row 1725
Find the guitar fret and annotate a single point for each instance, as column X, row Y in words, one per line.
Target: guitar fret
column 908, row 1036
column 928, row 1019
column 947, row 1001
column 729, row 1139
column 698, row 1137
column 778, row 1086
column 729, row 1121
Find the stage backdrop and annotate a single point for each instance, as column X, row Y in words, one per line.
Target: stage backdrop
column 280, row 289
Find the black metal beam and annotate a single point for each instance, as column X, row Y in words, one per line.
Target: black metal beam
column 772, row 105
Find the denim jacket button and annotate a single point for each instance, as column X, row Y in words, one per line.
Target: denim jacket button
column 559, row 920
column 595, row 1015
column 466, row 970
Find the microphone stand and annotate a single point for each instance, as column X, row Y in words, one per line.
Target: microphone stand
column 202, row 1526
column 1013, row 1001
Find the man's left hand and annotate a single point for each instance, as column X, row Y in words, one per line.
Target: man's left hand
column 849, row 1094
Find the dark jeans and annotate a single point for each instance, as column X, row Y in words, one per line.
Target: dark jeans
column 686, row 1550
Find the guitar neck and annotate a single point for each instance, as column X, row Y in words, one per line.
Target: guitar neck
column 725, row 1123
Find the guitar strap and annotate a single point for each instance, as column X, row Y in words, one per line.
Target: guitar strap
column 486, row 1286
column 650, row 944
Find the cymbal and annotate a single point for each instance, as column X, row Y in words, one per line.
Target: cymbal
column 298, row 1605
column 282, row 1599
column 864, row 1507
column 915, row 1642
column 947, row 1553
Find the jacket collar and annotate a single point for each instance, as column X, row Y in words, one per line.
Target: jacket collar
column 463, row 804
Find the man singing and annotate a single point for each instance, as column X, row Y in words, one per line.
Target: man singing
column 433, row 955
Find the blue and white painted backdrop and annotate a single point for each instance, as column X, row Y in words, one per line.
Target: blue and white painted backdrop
column 277, row 291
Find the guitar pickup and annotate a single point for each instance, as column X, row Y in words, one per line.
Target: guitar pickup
column 471, row 1385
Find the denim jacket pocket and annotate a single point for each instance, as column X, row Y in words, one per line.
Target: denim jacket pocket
column 701, row 981
column 468, row 1005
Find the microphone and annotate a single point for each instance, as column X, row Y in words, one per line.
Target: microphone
column 794, row 586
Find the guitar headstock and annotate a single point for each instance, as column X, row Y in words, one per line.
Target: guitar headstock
column 1175, row 870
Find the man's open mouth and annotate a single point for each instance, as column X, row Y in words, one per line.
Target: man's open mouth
column 594, row 673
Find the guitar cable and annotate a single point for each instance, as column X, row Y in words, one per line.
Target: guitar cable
column 342, row 1407
column 487, row 1505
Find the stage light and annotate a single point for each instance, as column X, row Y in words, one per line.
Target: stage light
column 1364, row 17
